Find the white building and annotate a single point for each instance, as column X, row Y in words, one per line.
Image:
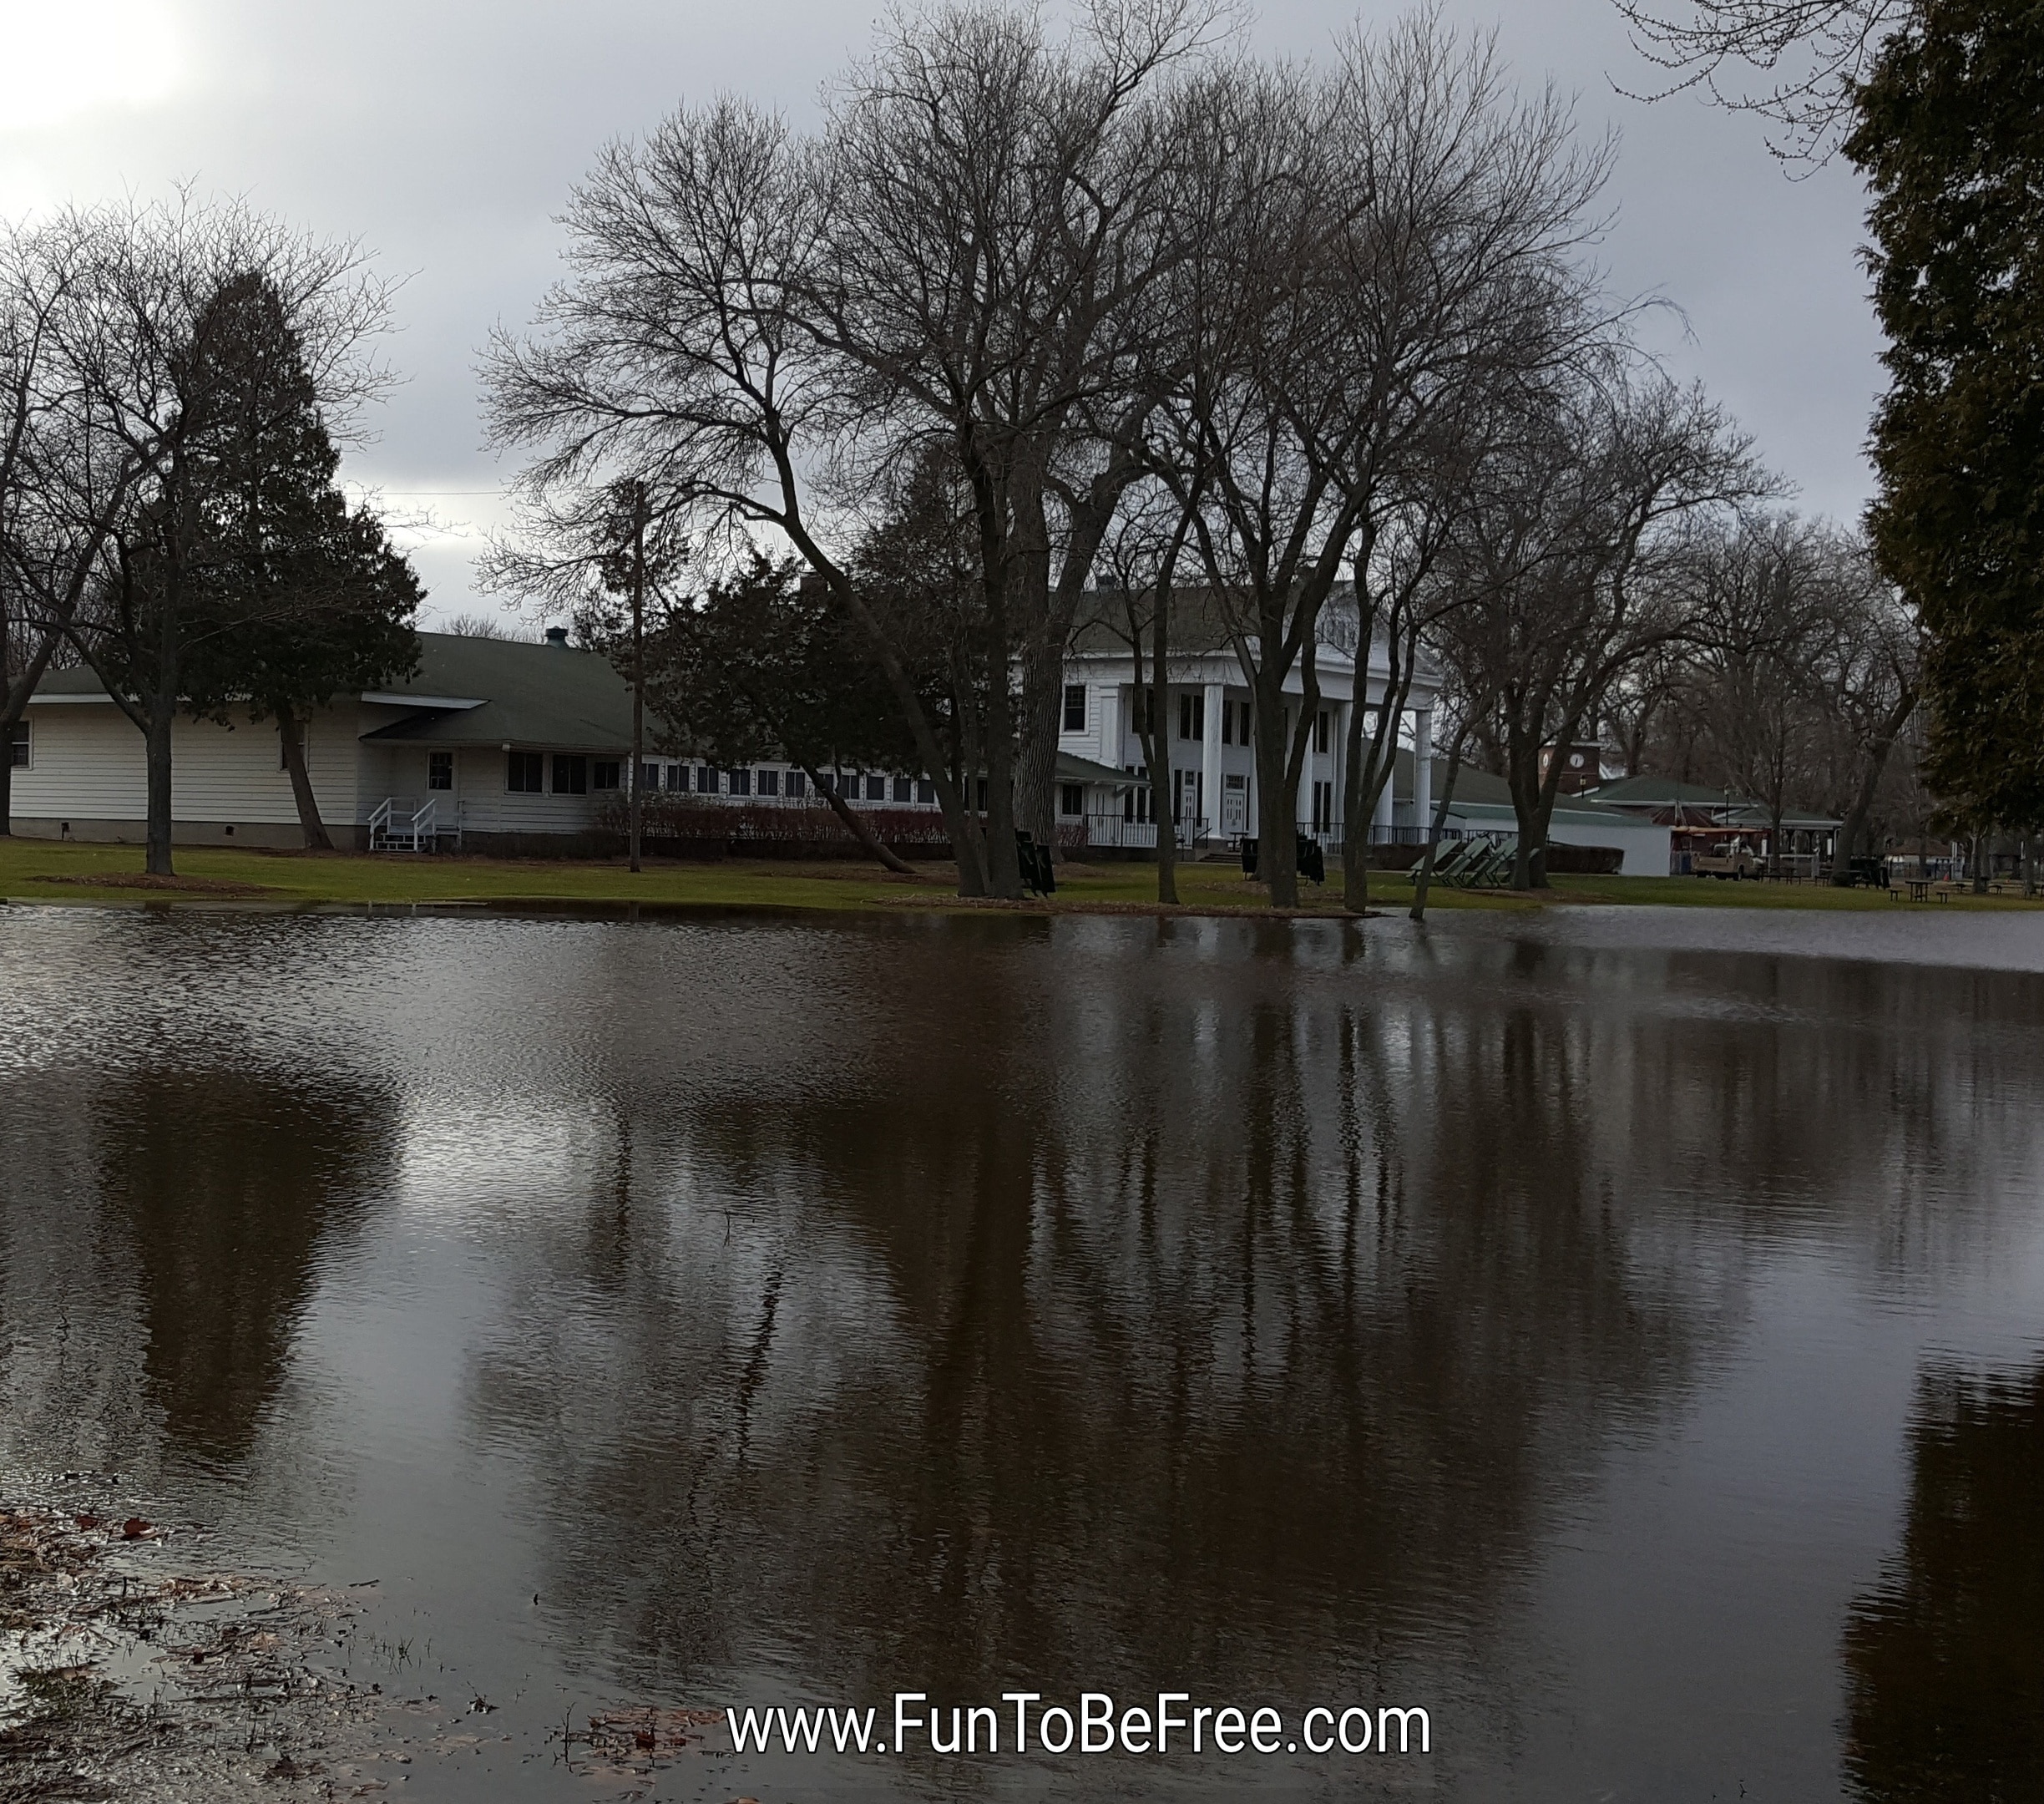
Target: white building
column 1207, row 719
column 508, row 746
column 496, row 745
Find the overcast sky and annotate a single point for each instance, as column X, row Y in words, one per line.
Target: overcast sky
column 445, row 136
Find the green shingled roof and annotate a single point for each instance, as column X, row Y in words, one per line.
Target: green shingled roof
column 531, row 695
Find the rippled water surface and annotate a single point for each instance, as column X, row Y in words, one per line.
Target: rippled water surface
column 1622, row 1334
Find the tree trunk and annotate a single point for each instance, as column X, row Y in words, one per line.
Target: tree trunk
column 849, row 817
column 1424, row 880
column 1277, row 800
column 1043, row 703
column 1153, row 728
column 309, row 821
column 1980, row 858
column 1356, row 808
column 638, row 687
column 156, row 746
column 16, row 700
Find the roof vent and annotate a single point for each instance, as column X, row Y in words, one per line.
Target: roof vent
column 557, row 636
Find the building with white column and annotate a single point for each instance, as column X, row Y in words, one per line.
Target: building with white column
column 1207, row 720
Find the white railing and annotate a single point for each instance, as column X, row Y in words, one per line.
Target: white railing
column 403, row 824
column 1117, row 830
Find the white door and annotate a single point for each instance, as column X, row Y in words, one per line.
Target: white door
column 1235, row 803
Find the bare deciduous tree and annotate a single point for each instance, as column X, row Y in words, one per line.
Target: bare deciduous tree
column 1562, row 557
column 1806, row 54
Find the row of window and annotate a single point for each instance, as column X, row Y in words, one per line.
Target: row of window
column 575, row 774
column 1191, row 715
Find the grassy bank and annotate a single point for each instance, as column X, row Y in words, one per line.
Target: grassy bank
column 44, row 870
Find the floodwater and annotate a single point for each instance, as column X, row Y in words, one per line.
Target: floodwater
column 1620, row 1334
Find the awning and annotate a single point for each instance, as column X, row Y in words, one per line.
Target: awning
column 1071, row 768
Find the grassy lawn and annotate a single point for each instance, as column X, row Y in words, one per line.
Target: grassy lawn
column 46, row 871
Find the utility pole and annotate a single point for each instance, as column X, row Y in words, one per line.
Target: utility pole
column 637, row 607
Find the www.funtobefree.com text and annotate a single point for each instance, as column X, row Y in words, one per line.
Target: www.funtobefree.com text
column 1024, row 1724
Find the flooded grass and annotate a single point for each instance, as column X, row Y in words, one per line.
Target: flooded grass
column 52, row 871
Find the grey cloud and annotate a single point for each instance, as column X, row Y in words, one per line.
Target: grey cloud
column 446, row 136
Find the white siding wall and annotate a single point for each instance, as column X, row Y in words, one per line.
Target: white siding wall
column 87, row 764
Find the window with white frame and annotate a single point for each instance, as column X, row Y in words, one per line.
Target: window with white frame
column 21, row 747
column 1074, row 707
column 439, row 770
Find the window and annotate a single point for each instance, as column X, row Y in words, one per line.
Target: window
column 1323, row 805
column 1071, row 799
column 528, row 773
column 1320, row 732
column 1074, row 707
column 982, row 808
column 570, row 773
column 797, row 784
column 847, row 784
column 1135, row 798
column 19, row 747
column 742, row 782
column 1227, row 723
column 1192, row 721
column 926, row 791
column 904, row 788
column 706, row 780
column 876, row 788
column 304, row 734
column 770, row 782
column 649, row 775
column 439, row 770
column 605, row 773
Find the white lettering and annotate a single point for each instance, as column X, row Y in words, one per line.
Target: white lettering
column 1383, row 1740
column 801, row 1728
column 903, row 1722
column 1096, row 1712
column 1021, row 1699
column 1265, row 1722
column 749, row 1728
column 1229, row 1722
column 1306, row 1729
column 1355, row 1748
column 1165, row 1722
column 1043, row 1729
column 851, row 1732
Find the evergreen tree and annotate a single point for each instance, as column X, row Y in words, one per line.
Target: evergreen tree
column 1950, row 136
column 306, row 597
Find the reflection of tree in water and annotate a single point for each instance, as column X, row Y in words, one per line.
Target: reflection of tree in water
column 228, row 1182
column 1203, row 1324
column 1945, row 1657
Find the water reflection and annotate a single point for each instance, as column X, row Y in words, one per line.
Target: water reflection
column 958, row 1304
column 1945, row 1657
column 227, row 1184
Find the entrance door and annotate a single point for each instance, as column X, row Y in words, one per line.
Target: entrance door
column 1235, row 803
